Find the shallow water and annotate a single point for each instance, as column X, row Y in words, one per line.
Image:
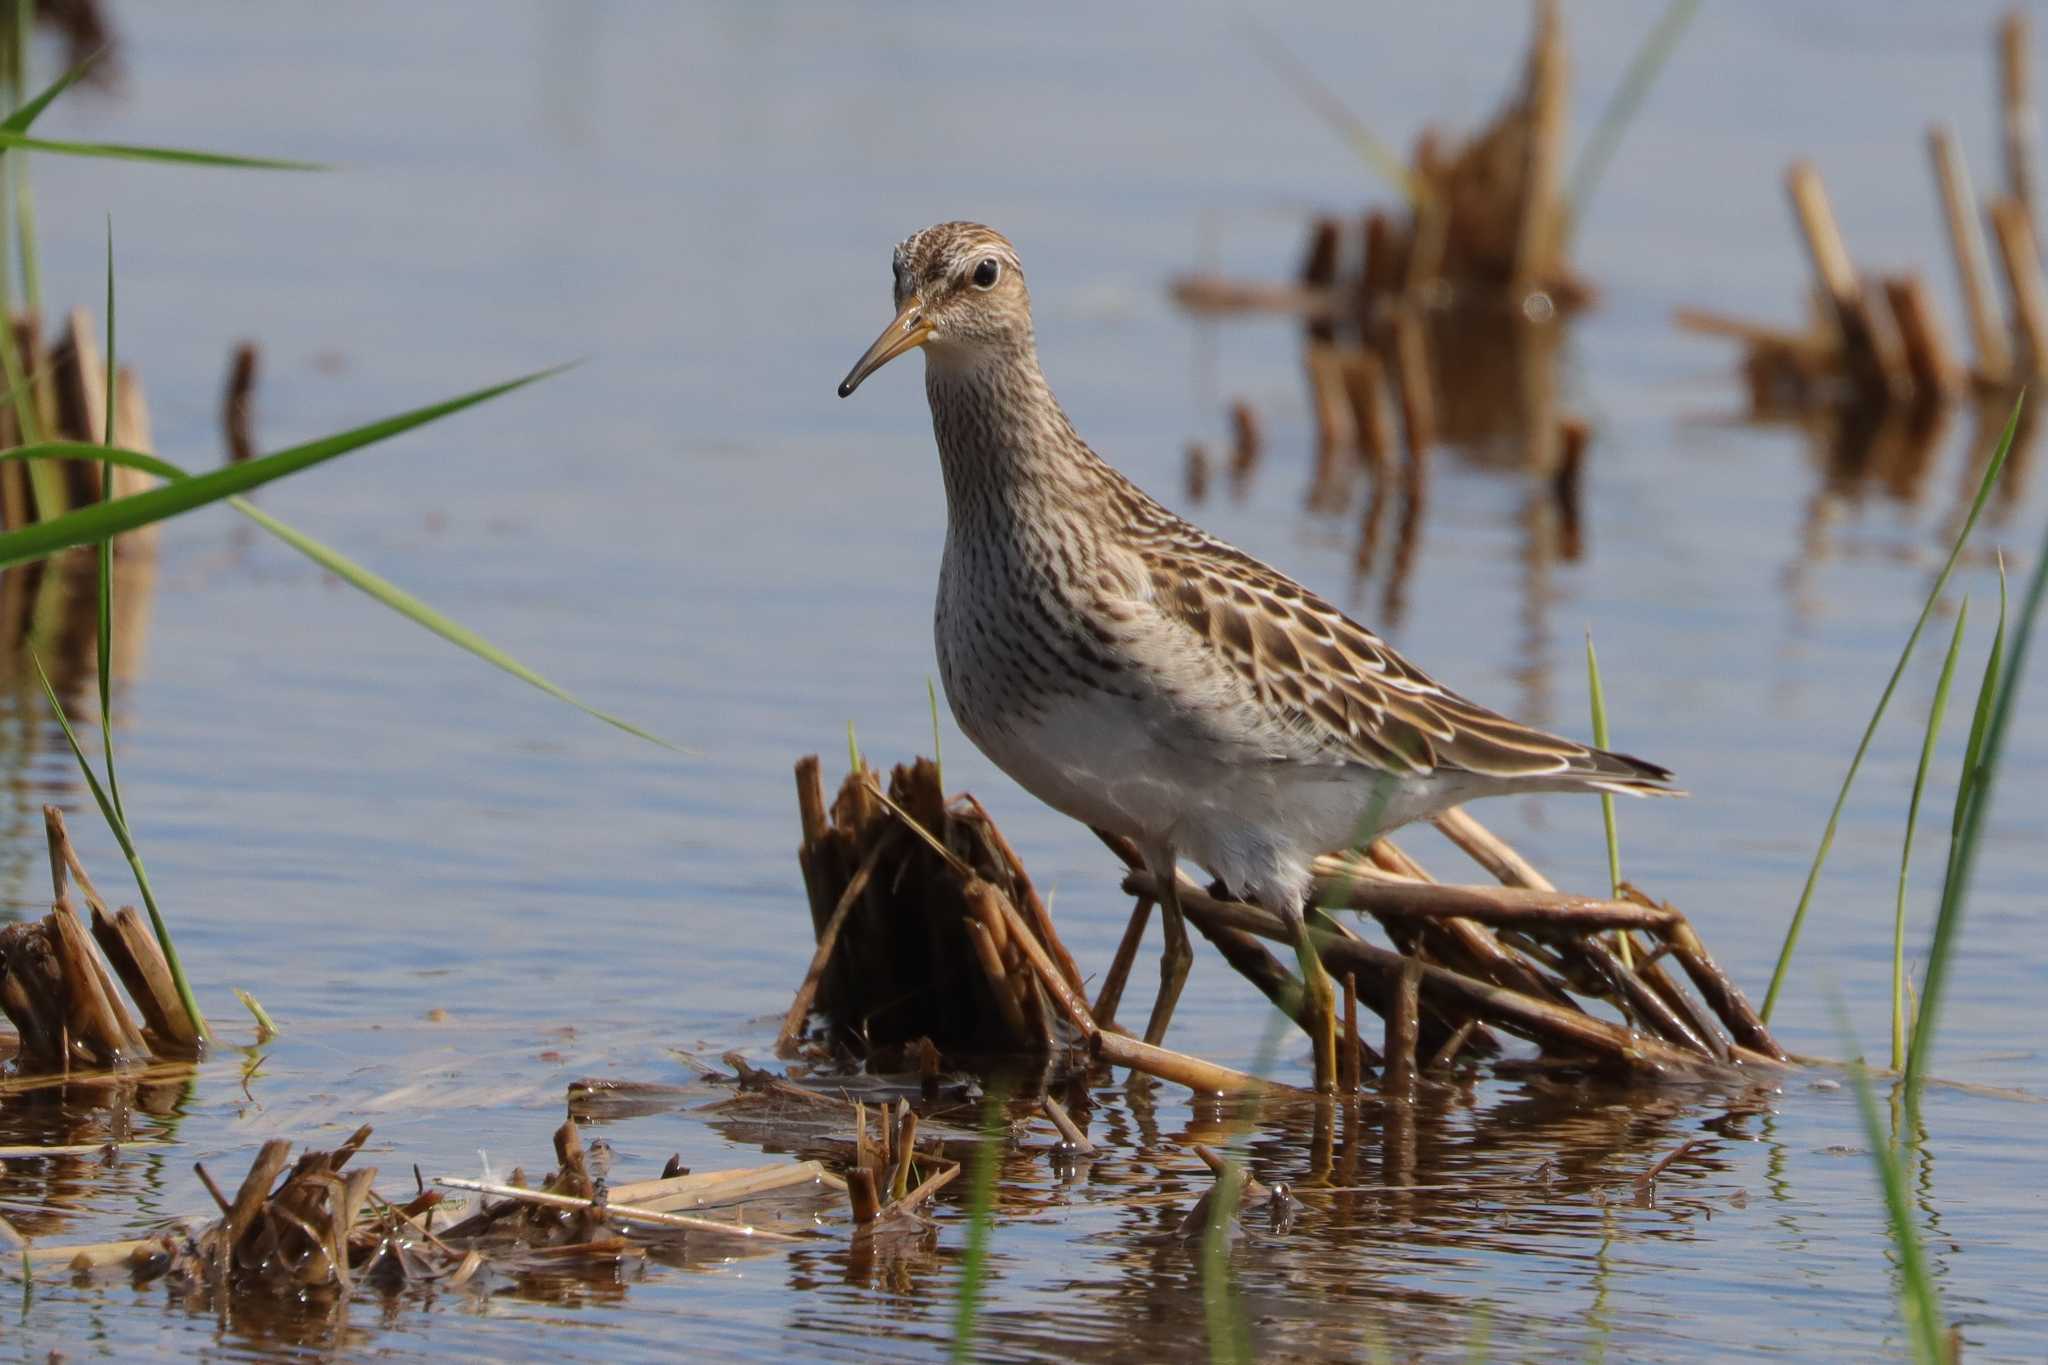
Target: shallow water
column 361, row 825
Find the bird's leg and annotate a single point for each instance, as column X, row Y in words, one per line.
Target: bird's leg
column 1319, row 1004
column 1179, row 954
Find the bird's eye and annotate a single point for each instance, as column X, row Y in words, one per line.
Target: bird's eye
column 987, row 273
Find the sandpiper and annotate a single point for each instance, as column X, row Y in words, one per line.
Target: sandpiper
column 1136, row 673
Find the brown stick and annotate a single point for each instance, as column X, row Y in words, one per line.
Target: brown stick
column 828, row 940
column 1211, row 294
column 1645, row 1004
column 1710, row 323
column 2016, row 105
column 991, row 960
column 1347, row 1056
column 1720, row 993
column 95, row 1020
column 1928, row 355
column 860, row 1191
column 2013, row 227
column 1490, row 851
column 1505, row 905
column 1207, row 1078
column 1112, row 992
column 237, row 401
column 1034, row 907
column 1319, row 271
column 1988, row 336
column 1398, row 1080
column 1543, row 1020
column 1539, row 235
column 255, row 1189
column 139, row 962
column 1448, row 1053
column 1871, row 350
column 1062, row 1120
column 810, row 799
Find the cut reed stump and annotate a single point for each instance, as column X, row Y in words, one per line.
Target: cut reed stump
column 929, row 931
column 64, row 398
column 924, row 920
column 1874, row 346
column 1447, row 311
column 57, row 981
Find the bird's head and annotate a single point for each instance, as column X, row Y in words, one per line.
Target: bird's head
column 959, row 294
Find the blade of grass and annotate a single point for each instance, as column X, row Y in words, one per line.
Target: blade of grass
column 1919, row 1304
column 122, row 836
column 931, row 694
column 1333, row 111
column 1599, row 702
column 24, row 200
column 364, row 580
column 981, row 1211
column 265, row 1028
column 1658, row 45
column 123, row 151
column 1827, row 838
column 89, row 524
column 1934, row 718
column 1948, row 921
column 25, row 116
column 1987, row 693
column 106, row 549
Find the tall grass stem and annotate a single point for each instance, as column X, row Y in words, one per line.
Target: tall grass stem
column 1827, row 838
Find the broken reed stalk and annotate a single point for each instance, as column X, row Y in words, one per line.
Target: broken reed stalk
column 2013, row 228
column 911, row 940
column 2016, row 105
column 63, row 390
column 58, row 990
column 1988, row 336
column 1402, row 1021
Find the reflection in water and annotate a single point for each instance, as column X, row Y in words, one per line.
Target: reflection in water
column 49, row 615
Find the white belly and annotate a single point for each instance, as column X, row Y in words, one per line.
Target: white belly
column 1255, row 824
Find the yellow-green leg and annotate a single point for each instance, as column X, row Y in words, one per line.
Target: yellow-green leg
column 1319, row 1004
column 1178, row 955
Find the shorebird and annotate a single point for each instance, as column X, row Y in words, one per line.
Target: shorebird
column 1140, row 675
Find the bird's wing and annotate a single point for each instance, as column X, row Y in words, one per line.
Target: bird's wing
column 1322, row 675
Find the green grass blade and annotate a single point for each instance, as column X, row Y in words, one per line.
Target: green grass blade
column 121, row 835
column 1658, row 45
column 123, row 151
column 1229, row 1333
column 361, row 578
column 404, row 603
column 24, row 199
column 1919, row 1304
column 1934, row 717
column 1325, row 103
column 106, row 551
column 1987, row 692
column 266, row 1028
column 22, row 118
column 140, row 509
column 1827, row 838
column 981, row 1216
column 1599, row 702
column 931, row 695
column 1948, row 920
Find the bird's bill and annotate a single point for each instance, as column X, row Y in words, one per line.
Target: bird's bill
column 908, row 332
